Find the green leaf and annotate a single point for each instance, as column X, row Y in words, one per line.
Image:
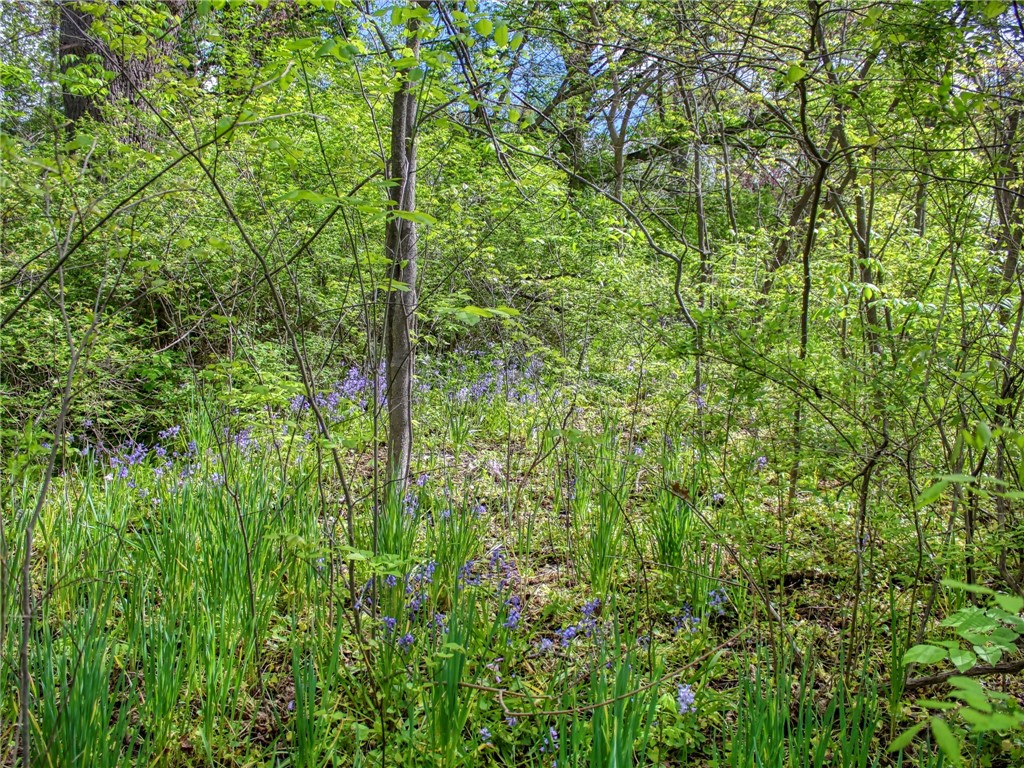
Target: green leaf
column 947, row 742
column 309, row 196
column 795, row 74
column 903, row 740
column 966, row 684
column 484, row 27
column 975, row 588
column 994, row 8
column 931, row 493
column 501, row 35
column 987, row 654
column 1009, row 603
column 990, row 721
column 924, row 654
column 415, row 216
column 962, row 659
column 517, row 40
column 936, row 704
column 300, row 45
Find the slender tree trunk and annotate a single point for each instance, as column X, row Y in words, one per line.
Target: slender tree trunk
column 400, row 246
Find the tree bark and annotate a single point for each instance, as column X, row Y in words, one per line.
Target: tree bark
column 132, row 73
column 401, row 249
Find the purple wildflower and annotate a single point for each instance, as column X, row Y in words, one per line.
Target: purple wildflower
column 685, row 698
column 514, row 613
column 550, row 741
column 716, row 600
column 467, row 576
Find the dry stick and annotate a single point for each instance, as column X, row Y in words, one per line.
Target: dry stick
column 746, row 574
column 1006, row 668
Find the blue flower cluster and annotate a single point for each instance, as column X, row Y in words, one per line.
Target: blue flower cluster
column 686, row 621
column 519, row 383
column 347, row 397
column 685, row 698
column 586, row 627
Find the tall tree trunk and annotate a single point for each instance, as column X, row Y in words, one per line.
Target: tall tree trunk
column 132, row 73
column 74, row 48
column 400, row 246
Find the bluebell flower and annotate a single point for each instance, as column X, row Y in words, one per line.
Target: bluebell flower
column 170, row 433
column 390, row 622
column 485, row 734
column 427, row 574
column 245, row 442
column 716, row 600
column 567, row 635
column 416, row 603
column 405, row 642
column 550, row 741
column 685, row 698
column 467, row 576
column 391, row 580
column 687, row 621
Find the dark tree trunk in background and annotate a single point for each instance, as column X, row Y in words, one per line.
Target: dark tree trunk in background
column 75, row 46
column 1009, row 207
column 133, row 73
column 400, row 246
